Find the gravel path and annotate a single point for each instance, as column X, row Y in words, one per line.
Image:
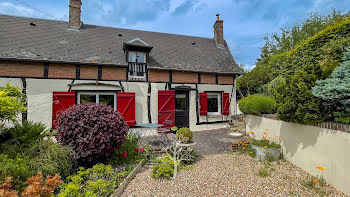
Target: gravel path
column 227, row 175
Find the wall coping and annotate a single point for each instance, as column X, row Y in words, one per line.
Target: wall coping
column 328, row 125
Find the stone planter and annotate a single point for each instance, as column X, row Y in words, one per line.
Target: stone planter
column 261, row 154
column 186, row 145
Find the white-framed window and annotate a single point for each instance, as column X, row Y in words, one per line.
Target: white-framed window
column 214, row 103
column 137, row 65
column 107, row 98
column 139, row 56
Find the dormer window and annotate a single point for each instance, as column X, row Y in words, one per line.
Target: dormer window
column 137, row 65
column 137, row 51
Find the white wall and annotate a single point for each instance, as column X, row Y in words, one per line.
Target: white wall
column 39, row 94
column 309, row 146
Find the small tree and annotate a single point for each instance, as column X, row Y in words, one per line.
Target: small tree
column 178, row 153
column 335, row 90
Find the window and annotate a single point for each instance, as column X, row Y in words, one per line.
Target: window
column 106, row 98
column 137, row 65
column 137, row 57
column 214, row 104
column 180, row 102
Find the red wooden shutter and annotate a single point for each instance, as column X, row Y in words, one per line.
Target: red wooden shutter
column 126, row 106
column 204, row 104
column 166, row 107
column 61, row 102
column 225, row 104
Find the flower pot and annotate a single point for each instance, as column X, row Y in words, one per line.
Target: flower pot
column 261, row 152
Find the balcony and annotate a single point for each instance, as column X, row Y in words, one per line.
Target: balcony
column 137, row 71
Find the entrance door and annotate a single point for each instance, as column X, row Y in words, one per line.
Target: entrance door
column 181, row 109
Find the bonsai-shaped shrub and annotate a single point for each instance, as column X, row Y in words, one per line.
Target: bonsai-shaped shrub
column 185, row 135
column 335, row 90
column 257, row 104
column 94, row 131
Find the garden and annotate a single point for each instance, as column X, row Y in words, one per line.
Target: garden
column 88, row 154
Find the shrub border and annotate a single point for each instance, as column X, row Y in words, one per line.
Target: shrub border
column 127, row 180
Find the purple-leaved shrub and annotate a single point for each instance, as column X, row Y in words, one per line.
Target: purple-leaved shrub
column 94, row 131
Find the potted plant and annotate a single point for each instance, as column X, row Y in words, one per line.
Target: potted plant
column 184, row 136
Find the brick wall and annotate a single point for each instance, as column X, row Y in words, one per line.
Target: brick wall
column 158, row 76
column 62, row 71
column 225, row 79
column 88, row 72
column 113, row 73
column 185, row 77
column 208, row 78
column 21, row 69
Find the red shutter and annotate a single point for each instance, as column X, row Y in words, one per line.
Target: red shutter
column 61, row 102
column 204, row 104
column 126, row 106
column 225, row 104
column 166, row 107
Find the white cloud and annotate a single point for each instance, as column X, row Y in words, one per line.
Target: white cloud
column 12, row 9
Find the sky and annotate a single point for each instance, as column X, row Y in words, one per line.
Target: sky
column 246, row 22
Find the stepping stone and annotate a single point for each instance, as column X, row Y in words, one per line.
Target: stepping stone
column 235, row 134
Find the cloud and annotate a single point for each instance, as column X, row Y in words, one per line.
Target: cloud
column 12, row 9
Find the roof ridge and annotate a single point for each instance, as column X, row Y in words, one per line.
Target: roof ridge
column 44, row 19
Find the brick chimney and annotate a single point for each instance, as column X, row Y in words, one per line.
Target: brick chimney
column 219, row 31
column 75, row 14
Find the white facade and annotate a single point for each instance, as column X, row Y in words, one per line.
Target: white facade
column 40, row 97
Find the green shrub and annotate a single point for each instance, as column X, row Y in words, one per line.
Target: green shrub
column 164, row 168
column 100, row 180
column 132, row 149
column 23, row 134
column 335, row 90
column 11, row 102
column 50, row 157
column 185, row 135
column 17, row 168
column 257, row 104
column 266, row 143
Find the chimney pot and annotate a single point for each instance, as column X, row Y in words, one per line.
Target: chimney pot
column 75, row 14
column 219, row 31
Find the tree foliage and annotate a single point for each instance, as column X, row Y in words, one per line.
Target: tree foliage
column 11, row 102
column 335, row 90
column 274, row 60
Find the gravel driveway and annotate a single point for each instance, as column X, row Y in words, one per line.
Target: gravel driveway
column 226, row 175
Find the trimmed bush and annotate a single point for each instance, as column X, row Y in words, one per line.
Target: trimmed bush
column 94, row 131
column 185, row 135
column 257, row 104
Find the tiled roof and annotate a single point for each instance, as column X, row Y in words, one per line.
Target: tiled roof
column 47, row 40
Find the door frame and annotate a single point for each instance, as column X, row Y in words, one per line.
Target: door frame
column 187, row 94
